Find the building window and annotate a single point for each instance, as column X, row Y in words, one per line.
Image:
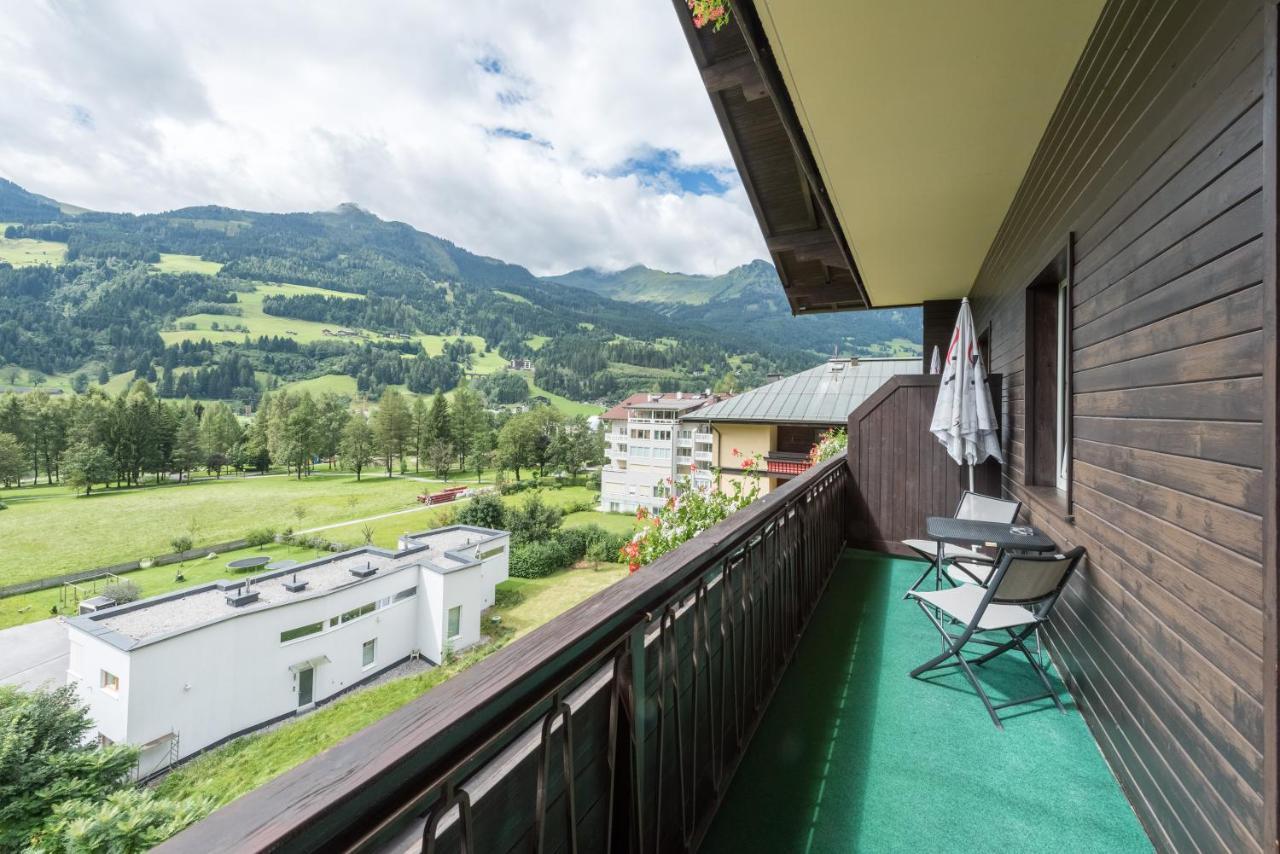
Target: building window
column 110, row 682
column 662, row 435
column 455, row 622
column 1048, row 379
column 355, row 613
column 493, row 552
column 404, row 594
column 301, row 631
column 368, row 652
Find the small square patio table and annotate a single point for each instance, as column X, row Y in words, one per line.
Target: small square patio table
column 993, row 535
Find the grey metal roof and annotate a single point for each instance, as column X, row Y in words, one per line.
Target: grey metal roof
column 822, row 395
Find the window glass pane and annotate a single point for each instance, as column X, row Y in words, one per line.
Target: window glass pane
column 301, row 631
column 110, row 681
column 455, row 621
column 405, row 594
column 358, row 612
column 368, row 651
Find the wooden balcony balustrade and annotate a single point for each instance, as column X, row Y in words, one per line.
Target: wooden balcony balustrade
column 644, row 698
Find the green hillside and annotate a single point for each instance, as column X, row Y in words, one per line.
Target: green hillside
column 216, row 303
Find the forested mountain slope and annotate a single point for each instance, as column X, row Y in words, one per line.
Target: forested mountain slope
column 221, row 303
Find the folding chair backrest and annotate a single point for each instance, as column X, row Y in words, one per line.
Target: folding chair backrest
column 1034, row 581
column 976, row 507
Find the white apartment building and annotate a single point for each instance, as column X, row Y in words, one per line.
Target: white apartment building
column 178, row 673
column 646, row 446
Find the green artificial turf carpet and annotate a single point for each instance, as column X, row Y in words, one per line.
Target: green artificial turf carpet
column 854, row 755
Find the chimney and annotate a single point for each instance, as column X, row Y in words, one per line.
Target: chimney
column 773, row 378
column 679, row 395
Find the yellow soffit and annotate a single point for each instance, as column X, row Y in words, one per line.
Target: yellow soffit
column 923, row 116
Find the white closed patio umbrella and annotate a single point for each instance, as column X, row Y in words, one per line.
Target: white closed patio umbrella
column 963, row 418
column 935, row 363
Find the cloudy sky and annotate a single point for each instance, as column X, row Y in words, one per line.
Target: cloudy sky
column 551, row 134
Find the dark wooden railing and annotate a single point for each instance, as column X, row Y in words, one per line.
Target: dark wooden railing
column 644, row 697
column 900, row 472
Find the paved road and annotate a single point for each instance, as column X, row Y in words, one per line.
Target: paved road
column 33, row 654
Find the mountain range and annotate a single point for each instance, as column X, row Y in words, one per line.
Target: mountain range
column 131, row 289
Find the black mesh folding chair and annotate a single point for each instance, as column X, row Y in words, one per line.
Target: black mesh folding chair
column 1018, row 600
column 975, row 507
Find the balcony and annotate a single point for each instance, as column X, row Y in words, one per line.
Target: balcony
column 788, row 464
column 747, row 691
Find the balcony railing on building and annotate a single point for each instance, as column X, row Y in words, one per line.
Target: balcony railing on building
column 782, row 462
column 617, row 725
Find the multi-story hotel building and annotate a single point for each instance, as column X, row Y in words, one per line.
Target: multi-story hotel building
column 646, row 445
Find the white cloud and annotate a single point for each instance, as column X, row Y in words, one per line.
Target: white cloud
column 279, row 105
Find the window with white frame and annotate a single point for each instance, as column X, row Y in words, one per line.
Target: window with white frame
column 455, row 622
column 109, row 682
column 368, row 652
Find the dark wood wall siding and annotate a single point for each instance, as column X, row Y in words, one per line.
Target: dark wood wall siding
column 939, row 319
column 901, row 474
column 1154, row 162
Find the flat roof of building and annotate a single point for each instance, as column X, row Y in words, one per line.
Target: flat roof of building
column 148, row 620
column 677, row 401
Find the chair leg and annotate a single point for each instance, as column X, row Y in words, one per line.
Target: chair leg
column 1044, row 677
column 954, row 647
column 920, row 580
column 982, row 694
column 1002, row 648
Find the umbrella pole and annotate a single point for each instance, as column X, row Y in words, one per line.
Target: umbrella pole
column 971, row 477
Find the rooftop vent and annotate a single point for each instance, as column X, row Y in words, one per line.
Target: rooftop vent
column 236, row 600
column 224, row 585
column 679, row 395
column 244, row 596
column 293, row 585
column 363, row 571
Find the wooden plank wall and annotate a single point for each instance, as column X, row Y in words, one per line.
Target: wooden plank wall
column 1153, row 161
column 938, row 319
column 901, row 474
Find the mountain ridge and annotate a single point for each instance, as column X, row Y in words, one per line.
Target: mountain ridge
column 591, row 334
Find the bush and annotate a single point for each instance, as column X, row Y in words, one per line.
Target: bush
column 511, row 487
column 603, row 546
column 121, row 592
column 128, row 820
column 506, row 598
column 534, row 521
column 580, row 507
column 259, row 537
column 484, row 511
column 539, row 559
column 46, row 761
column 180, row 544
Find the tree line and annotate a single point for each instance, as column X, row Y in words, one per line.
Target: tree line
column 94, row 439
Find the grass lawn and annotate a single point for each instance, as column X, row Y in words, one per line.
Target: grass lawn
column 387, row 531
column 246, row 763
column 186, row 264
column 334, row 383
column 258, row 322
column 26, row 253
column 30, row 607
column 48, row 530
column 564, row 404
column 614, row 523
